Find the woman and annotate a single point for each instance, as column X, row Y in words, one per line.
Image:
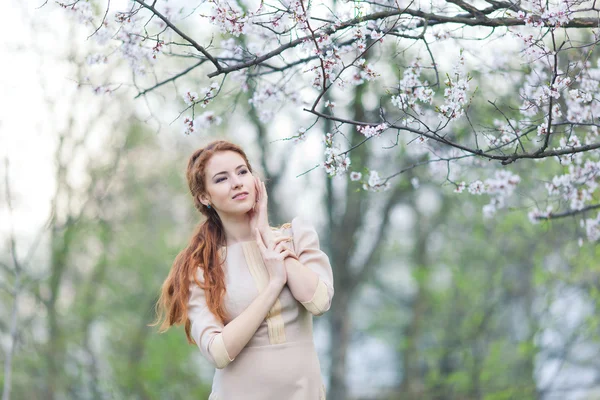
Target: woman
column 246, row 292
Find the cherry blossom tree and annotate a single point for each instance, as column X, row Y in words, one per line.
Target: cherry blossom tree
column 438, row 70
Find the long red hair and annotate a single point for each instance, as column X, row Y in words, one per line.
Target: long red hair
column 201, row 252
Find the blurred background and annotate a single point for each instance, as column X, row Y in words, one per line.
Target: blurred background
column 432, row 301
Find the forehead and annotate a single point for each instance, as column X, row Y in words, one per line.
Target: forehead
column 224, row 161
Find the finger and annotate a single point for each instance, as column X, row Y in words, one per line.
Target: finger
column 256, row 189
column 264, row 191
column 282, row 239
column 280, row 247
column 259, row 240
column 287, row 253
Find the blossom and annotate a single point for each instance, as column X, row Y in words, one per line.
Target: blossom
column 92, row 59
column 455, row 94
column 476, row 187
column 370, row 131
column 189, row 126
column 460, row 187
column 301, row 136
column 190, row 97
column 592, row 228
column 336, row 162
column 229, row 17
column 411, row 89
column 375, row 35
column 207, row 119
column 355, row 176
column 375, row 183
column 535, row 215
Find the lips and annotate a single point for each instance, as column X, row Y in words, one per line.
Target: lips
column 241, row 195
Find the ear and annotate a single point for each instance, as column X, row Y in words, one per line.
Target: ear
column 204, row 199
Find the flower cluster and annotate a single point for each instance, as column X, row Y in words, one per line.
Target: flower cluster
column 96, row 59
column 102, row 89
column 366, row 70
column 508, row 131
column 231, row 49
column 229, row 18
column 592, row 228
column 455, row 94
column 265, row 99
column 299, row 15
column 336, row 162
column 537, row 91
column 533, row 48
column 576, row 186
column 201, row 122
column 375, row 183
column 132, row 46
column 80, row 10
column 556, row 14
column 535, row 215
column 331, row 62
column 206, row 95
column 581, row 103
column 360, row 41
column 499, row 188
column 370, row 130
column 301, row 136
column 411, row 89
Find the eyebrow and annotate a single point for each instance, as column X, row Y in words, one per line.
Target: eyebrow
column 224, row 172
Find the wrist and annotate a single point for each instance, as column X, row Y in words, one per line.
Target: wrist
column 275, row 286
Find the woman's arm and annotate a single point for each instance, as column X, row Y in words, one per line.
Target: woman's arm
column 221, row 344
column 310, row 277
column 238, row 332
column 301, row 281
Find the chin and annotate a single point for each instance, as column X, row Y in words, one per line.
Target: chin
column 240, row 209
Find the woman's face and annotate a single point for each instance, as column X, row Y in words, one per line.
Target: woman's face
column 229, row 184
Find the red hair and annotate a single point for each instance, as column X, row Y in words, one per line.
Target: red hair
column 201, row 252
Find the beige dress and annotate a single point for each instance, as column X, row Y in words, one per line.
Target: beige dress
column 280, row 361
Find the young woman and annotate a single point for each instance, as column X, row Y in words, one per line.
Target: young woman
column 247, row 292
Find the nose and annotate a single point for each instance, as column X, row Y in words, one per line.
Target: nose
column 236, row 181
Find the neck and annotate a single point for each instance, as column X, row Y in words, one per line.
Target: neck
column 237, row 228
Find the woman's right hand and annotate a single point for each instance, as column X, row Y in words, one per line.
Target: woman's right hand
column 273, row 256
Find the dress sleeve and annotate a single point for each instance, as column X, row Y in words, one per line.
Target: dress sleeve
column 308, row 252
column 206, row 328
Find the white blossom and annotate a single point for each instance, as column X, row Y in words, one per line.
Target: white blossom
column 535, row 214
column 370, row 131
column 355, row 176
column 476, row 187
column 336, row 161
column 375, row 183
column 455, row 94
column 460, row 187
column 190, row 97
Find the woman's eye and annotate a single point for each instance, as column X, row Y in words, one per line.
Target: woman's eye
column 220, row 180
column 243, row 172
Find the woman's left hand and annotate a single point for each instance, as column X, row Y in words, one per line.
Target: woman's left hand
column 259, row 217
